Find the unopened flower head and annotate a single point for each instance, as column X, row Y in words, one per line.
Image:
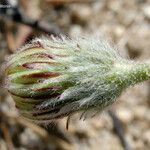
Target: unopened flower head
column 55, row 77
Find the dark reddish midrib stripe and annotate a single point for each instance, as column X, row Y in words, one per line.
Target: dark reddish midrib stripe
column 51, row 56
column 50, row 118
column 50, row 88
column 41, row 54
column 33, row 47
column 37, row 97
column 39, row 46
column 29, row 83
column 31, row 64
column 42, row 75
column 44, row 55
column 45, row 112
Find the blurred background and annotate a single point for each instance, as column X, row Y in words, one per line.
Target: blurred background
column 126, row 24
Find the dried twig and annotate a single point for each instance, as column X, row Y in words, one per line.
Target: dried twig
column 16, row 15
column 7, row 136
column 40, row 131
column 118, row 130
column 9, row 38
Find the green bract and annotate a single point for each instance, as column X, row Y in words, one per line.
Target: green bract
column 54, row 77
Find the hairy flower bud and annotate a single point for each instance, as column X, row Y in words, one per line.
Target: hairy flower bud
column 54, row 77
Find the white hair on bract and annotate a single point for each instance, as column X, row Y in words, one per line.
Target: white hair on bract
column 53, row 77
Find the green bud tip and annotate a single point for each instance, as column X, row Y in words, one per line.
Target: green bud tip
column 51, row 78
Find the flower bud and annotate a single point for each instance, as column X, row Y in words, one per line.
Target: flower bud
column 55, row 77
